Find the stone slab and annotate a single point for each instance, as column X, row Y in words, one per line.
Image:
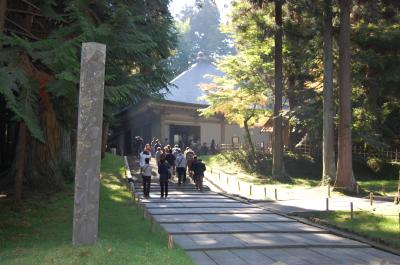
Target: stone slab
column 247, row 210
column 201, row 258
column 261, row 240
column 200, row 204
column 248, row 227
column 252, row 257
column 226, row 257
column 224, row 218
column 156, row 200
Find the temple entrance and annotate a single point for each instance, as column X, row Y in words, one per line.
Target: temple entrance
column 184, row 135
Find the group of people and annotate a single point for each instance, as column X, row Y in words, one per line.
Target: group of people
column 171, row 161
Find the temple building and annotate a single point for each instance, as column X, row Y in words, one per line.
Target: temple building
column 176, row 120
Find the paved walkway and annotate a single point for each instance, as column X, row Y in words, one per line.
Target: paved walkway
column 215, row 229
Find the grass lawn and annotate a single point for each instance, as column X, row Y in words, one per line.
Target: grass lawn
column 384, row 229
column 384, row 187
column 40, row 231
column 305, row 173
column 231, row 168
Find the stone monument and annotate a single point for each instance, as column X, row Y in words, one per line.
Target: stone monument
column 88, row 153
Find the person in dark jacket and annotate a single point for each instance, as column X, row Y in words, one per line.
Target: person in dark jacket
column 170, row 158
column 165, row 175
column 198, row 168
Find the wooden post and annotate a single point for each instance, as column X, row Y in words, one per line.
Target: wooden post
column 276, row 194
column 329, row 190
column 219, row 176
column 238, row 185
column 88, row 152
column 327, row 204
column 371, row 198
column 265, row 192
column 251, row 193
column 351, row 211
column 227, row 180
column 170, row 242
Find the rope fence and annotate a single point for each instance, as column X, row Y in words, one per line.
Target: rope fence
column 322, row 196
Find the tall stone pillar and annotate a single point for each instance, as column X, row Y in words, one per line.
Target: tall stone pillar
column 88, row 153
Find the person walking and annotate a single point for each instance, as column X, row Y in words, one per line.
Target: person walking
column 157, row 144
column 180, row 163
column 165, row 175
column 198, row 168
column 146, row 177
column 170, row 158
column 189, row 155
column 142, row 157
column 159, row 155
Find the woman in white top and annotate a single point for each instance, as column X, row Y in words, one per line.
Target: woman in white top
column 146, row 177
column 143, row 155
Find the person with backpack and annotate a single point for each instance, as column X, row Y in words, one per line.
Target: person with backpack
column 175, row 150
column 198, row 168
column 165, row 175
column 170, row 158
column 159, row 155
column 180, row 164
column 189, row 155
column 146, row 177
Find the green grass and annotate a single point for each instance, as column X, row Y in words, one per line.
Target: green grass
column 301, row 175
column 384, row 187
column 39, row 232
column 380, row 228
column 305, row 172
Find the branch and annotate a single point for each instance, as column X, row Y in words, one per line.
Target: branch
column 24, row 12
column 23, row 29
column 32, row 5
column 19, row 33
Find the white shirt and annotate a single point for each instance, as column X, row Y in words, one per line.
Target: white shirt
column 146, row 170
column 142, row 158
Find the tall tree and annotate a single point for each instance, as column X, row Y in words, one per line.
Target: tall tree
column 39, row 71
column 278, row 167
column 328, row 152
column 345, row 178
column 239, row 96
column 199, row 31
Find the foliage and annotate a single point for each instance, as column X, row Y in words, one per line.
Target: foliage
column 40, row 231
column 199, row 31
column 40, row 66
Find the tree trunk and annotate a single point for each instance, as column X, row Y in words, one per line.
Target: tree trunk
column 104, row 139
column 278, row 169
column 20, row 161
column 344, row 179
column 328, row 151
column 66, row 147
column 3, row 8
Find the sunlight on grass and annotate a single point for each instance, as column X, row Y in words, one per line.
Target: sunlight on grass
column 39, row 232
column 379, row 227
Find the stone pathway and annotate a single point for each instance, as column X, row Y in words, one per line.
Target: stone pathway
column 215, row 229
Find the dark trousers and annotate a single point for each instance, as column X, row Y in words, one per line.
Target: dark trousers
column 146, row 185
column 181, row 174
column 198, row 180
column 164, row 188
